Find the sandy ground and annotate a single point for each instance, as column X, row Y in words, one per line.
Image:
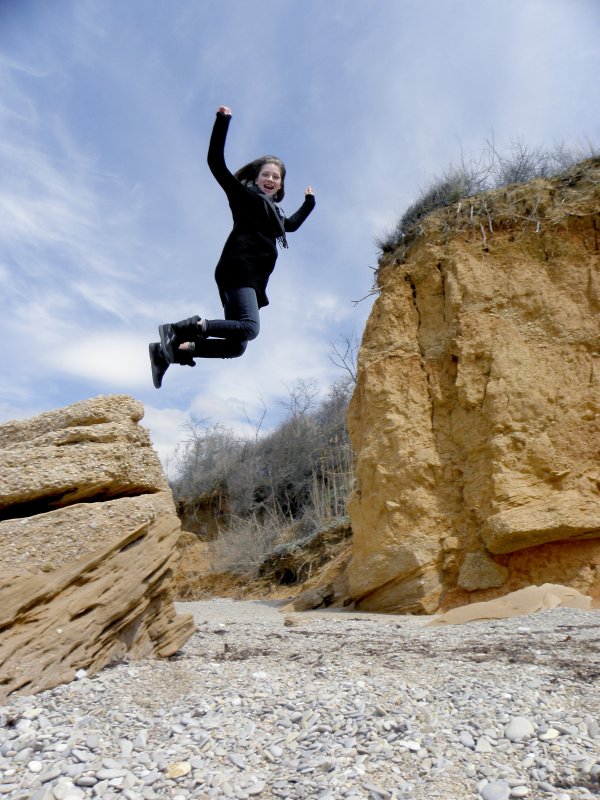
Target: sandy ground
column 225, row 610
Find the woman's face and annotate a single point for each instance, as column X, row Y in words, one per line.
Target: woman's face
column 268, row 179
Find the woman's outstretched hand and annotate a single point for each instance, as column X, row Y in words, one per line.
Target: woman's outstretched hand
column 224, row 110
column 309, row 190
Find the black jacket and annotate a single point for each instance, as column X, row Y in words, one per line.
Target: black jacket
column 250, row 252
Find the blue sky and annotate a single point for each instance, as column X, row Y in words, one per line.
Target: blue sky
column 111, row 223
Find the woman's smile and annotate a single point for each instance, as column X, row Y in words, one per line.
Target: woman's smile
column 268, row 179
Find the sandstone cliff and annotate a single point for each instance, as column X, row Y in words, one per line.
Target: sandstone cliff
column 476, row 417
column 88, row 535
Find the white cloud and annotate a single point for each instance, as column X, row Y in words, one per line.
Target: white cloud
column 116, row 359
column 110, row 222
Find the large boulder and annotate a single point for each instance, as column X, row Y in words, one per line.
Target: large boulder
column 476, row 417
column 88, row 535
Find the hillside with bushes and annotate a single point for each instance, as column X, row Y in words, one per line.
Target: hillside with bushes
column 256, row 503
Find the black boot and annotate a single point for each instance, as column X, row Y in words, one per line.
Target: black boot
column 184, row 357
column 172, row 334
column 158, row 363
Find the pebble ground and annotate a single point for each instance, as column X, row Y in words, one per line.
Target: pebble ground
column 323, row 706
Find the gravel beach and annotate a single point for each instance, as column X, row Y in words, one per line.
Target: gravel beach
column 264, row 704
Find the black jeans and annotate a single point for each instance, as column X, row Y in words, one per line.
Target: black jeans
column 228, row 338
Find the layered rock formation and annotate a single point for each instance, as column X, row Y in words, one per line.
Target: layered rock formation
column 476, row 418
column 88, row 535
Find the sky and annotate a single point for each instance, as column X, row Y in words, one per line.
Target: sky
column 111, row 222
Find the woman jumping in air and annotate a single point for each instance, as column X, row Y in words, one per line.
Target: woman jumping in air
column 246, row 263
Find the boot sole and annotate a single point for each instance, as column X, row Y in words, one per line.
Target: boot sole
column 157, row 372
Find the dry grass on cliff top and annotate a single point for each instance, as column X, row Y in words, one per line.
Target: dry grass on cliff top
column 539, row 205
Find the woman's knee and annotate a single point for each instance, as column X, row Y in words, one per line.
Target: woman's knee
column 238, row 349
column 251, row 329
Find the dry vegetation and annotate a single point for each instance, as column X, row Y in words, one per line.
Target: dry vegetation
column 489, row 193
column 266, row 505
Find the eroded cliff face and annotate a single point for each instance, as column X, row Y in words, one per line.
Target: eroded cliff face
column 476, row 417
column 88, row 537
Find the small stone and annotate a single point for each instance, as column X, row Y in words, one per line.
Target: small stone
column 546, row 787
column 593, row 729
column 126, row 747
column 179, row 769
column 483, row 745
column 410, row 745
column 35, row 766
column 140, row 741
column 109, row 774
column 43, row 793
column 519, row 791
column 375, row 789
column 62, row 789
column 496, row 790
column 74, row 770
column 237, row 760
column 112, row 763
column 92, row 742
column 23, row 755
column 255, row 788
column 550, row 734
column 86, row 780
column 467, row 740
column 519, row 728
column 31, row 712
column 50, row 774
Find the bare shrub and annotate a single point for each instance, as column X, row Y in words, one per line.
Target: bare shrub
column 521, row 165
column 247, row 541
column 332, row 483
column 344, row 353
column 205, row 459
column 277, row 487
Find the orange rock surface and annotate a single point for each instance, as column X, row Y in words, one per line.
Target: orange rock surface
column 476, row 417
